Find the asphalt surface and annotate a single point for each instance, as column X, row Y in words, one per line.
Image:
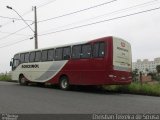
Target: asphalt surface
column 33, row 99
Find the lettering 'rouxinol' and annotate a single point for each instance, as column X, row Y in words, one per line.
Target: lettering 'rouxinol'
column 30, row 66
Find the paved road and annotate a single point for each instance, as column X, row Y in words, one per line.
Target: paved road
column 32, row 99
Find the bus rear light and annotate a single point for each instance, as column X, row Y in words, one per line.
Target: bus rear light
column 111, row 76
column 123, row 78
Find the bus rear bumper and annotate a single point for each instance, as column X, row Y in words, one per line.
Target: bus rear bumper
column 117, row 80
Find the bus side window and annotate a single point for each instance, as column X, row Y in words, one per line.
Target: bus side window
column 26, row 58
column 51, row 54
column 98, row 49
column 22, row 57
column 66, row 53
column 38, row 56
column 95, row 50
column 44, row 55
column 32, row 57
column 101, row 49
column 76, row 51
column 58, row 55
column 86, row 51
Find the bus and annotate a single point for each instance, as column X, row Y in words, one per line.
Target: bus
column 103, row 61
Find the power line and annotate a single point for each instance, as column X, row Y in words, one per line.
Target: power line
column 21, row 19
column 14, row 43
column 29, row 11
column 64, row 15
column 21, row 28
column 46, row 4
column 17, row 18
column 128, row 15
column 126, row 9
column 77, row 11
column 13, row 18
column 110, row 13
column 13, row 33
column 101, row 21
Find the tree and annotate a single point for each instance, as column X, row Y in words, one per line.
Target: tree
column 158, row 68
column 135, row 75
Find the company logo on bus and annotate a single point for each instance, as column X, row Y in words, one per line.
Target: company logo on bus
column 30, row 66
column 123, row 44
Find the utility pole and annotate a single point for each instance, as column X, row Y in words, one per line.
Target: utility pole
column 35, row 22
column 35, row 32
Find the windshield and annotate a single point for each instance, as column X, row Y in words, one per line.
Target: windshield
column 16, row 61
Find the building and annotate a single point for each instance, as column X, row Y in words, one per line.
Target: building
column 146, row 66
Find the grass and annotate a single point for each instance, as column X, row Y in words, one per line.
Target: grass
column 5, row 78
column 136, row 88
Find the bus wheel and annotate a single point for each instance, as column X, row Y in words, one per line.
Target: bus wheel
column 41, row 84
column 64, row 83
column 23, row 81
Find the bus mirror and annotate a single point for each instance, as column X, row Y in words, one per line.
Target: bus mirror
column 11, row 63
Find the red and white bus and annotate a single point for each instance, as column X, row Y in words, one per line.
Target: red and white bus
column 103, row 61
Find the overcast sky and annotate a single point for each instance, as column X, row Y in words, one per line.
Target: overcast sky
column 141, row 30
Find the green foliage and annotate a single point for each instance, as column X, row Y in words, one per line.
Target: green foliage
column 135, row 75
column 154, row 76
column 136, row 88
column 158, row 68
column 5, row 77
column 157, row 78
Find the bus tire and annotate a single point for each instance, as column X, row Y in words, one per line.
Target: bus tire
column 23, row 80
column 40, row 84
column 64, row 83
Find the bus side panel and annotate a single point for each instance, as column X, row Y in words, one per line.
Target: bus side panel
column 100, row 66
column 92, row 71
column 84, row 72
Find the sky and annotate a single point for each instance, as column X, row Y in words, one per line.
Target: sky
column 140, row 27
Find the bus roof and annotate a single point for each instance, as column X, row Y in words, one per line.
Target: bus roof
column 71, row 44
